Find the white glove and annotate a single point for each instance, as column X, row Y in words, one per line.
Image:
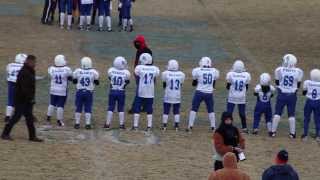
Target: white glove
column 120, row 5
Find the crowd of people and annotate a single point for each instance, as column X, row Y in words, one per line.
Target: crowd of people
column 84, row 12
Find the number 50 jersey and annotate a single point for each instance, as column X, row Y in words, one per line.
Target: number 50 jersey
column 174, row 81
column 146, row 75
column 205, row 78
column 86, row 78
column 238, row 89
column 59, row 80
column 288, row 79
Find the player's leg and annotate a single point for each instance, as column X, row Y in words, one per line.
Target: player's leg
column 125, row 16
column 60, row 109
column 148, row 106
column 257, row 117
column 101, row 9
column 120, row 15
column 268, row 117
column 130, row 20
column 52, row 11
column 176, row 113
column 82, row 16
column 243, row 117
column 121, row 105
column 230, row 107
column 136, row 112
column 62, row 10
column 316, row 117
column 45, row 12
column 51, row 107
column 69, row 12
column 88, row 16
column 88, row 108
column 280, row 103
column 79, row 105
column 111, row 106
column 291, row 107
column 210, row 106
column 10, row 101
column 307, row 116
column 197, row 98
column 165, row 115
column 108, row 3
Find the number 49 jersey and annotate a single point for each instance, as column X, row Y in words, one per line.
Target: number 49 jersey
column 13, row 71
column 238, row 90
column 174, row 81
column 313, row 89
column 59, row 80
column 86, row 78
column 288, row 79
column 146, row 75
column 118, row 78
column 205, row 78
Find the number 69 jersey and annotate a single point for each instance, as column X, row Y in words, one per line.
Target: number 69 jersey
column 174, row 81
column 205, row 78
column 118, row 78
column 313, row 89
column 288, row 79
column 59, row 80
column 238, row 90
column 86, row 78
column 13, row 71
column 146, row 75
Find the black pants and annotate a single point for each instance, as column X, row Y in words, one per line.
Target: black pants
column 48, row 11
column 21, row 110
column 218, row 165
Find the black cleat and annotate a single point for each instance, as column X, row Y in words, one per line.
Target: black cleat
column 131, row 28
column 130, row 111
column 134, row 128
column 35, row 139
column 122, row 127
column 106, row 126
column 189, row 129
column 7, row 138
column 7, row 119
column 292, row 136
column 77, row 126
column 245, row 130
column 272, row 134
column 255, row 132
column 88, row 126
column 304, row 137
column 176, row 126
column 60, row 123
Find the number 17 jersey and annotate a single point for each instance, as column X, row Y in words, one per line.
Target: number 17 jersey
column 59, row 80
column 146, row 75
column 205, row 78
column 174, row 81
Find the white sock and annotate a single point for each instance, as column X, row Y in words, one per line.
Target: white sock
column 269, row 126
column 88, row 20
column 165, row 118
column 124, row 23
column 177, row 118
column 136, row 118
column 88, row 118
column 192, row 117
column 121, row 118
column 101, row 21
column 275, row 122
column 109, row 22
column 149, row 118
column 9, row 111
column 69, row 20
column 130, row 22
column 60, row 113
column 212, row 118
column 77, row 116
column 62, row 18
column 50, row 110
column 81, row 20
column 109, row 117
column 292, row 125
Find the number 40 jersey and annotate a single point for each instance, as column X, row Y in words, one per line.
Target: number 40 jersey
column 86, row 78
column 59, row 80
column 205, row 78
column 174, row 81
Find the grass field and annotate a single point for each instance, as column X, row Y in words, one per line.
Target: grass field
column 259, row 32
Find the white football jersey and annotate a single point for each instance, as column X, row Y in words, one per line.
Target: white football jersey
column 313, row 89
column 264, row 97
column 85, row 78
column 205, row 78
column 174, row 81
column 147, row 75
column 238, row 90
column 117, row 78
column 86, row 1
column 59, row 80
column 288, row 79
column 13, row 71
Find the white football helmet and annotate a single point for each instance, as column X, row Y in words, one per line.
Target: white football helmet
column 315, row 75
column 289, row 60
column 145, row 59
column 173, row 65
column 86, row 63
column 238, row 66
column 120, row 63
column 20, row 58
column 60, row 60
column 265, row 79
column 205, row 62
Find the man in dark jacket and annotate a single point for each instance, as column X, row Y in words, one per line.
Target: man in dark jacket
column 282, row 170
column 48, row 11
column 24, row 100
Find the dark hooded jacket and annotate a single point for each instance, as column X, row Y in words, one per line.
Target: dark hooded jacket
column 280, row 172
column 143, row 48
column 25, row 86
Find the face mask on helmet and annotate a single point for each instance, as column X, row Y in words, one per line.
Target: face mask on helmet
column 120, row 63
column 173, row 65
column 145, row 59
column 20, row 58
column 205, row 62
column 315, row 75
column 59, row 60
column 86, row 63
column 238, row 66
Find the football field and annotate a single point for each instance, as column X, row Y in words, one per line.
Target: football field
column 258, row 32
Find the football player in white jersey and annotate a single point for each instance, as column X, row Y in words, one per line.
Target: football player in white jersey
column 12, row 73
column 204, row 78
column 172, row 80
column 85, row 78
column 311, row 89
column 288, row 79
column 238, row 81
column 146, row 73
column 59, row 74
column 119, row 78
column 264, row 92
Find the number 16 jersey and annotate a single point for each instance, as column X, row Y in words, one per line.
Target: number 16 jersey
column 205, row 78
column 59, row 80
column 238, row 90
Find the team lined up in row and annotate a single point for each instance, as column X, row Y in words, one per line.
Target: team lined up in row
column 287, row 79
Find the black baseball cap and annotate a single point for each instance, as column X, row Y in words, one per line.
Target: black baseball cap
column 283, row 155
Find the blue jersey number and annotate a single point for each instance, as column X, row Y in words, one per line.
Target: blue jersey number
column 288, row 81
column 117, row 80
column 314, row 94
column 58, row 79
column 148, row 78
column 207, row 78
column 238, row 85
column 175, row 84
column 85, row 81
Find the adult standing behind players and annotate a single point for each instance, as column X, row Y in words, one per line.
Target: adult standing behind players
column 48, row 11
column 24, row 100
column 227, row 138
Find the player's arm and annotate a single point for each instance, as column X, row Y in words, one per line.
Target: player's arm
column 228, row 78
column 74, row 77
column 256, row 91
column 127, row 81
column 248, row 81
column 96, row 79
column 70, row 75
column 195, row 77
column 305, row 89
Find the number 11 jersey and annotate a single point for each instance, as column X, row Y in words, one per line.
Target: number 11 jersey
column 59, row 80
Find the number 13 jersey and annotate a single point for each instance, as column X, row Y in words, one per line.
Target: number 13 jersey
column 174, row 81
column 238, row 90
column 59, row 80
